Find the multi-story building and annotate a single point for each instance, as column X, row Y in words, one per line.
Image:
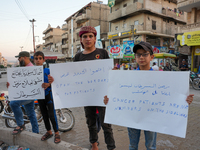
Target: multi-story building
column 153, row 21
column 93, row 14
column 189, row 35
column 53, row 38
column 40, row 47
column 0, row 59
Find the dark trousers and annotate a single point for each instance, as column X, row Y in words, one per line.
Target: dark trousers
column 48, row 112
column 91, row 118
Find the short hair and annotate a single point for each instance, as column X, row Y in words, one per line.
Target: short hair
column 154, row 63
column 39, row 53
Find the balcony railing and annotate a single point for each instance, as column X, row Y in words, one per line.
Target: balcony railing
column 173, row 14
column 65, row 35
column 65, row 27
column 78, row 42
column 81, row 18
column 47, row 42
column 182, row 3
column 65, row 46
column 48, row 35
column 190, row 27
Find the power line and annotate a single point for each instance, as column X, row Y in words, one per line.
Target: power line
column 22, row 9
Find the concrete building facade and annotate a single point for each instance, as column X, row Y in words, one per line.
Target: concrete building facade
column 153, row 21
column 3, row 61
column 189, row 35
column 53, row 38
column 93, row 14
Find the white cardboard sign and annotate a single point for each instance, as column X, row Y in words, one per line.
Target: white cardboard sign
column 25, row 83
column 149, row 100
column 81, row 83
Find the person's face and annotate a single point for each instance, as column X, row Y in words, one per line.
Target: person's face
column 143, row 57
column 167, row 64
column 38, row 60
column 88, row 40
column 21, row 61
column 183, row 62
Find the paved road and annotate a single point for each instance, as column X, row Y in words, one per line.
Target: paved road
column 79, row 134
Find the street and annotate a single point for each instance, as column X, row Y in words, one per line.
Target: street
column 79, row 134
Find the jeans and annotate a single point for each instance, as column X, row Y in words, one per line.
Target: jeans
column 91, row 117
column 29, row 108
column 134, row 137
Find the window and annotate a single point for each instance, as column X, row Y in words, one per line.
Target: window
column 175, row 23
column 153, row 25
column 124, row 25
column 134, row 1
column 116, row 28
column 136, row 22
column 124, row 5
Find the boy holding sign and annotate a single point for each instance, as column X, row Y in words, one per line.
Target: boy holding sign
column 46, row 105
column 88, row 38
column 144, row 54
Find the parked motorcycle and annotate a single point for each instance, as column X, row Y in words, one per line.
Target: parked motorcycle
column 65, row 117
column 195, row 80
column 2, row 101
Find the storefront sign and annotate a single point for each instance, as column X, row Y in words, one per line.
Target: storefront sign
column 128, row 47
column 160, row 49
column 111, row 3
column 190, row 38
column 115, row 51
column 197, row 50
column 113, row 35
column 126, row 33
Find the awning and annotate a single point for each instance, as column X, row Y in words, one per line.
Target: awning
column 164, row 55
column 129, row 56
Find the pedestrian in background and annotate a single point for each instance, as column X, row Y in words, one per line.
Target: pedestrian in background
column 155, row 67
column 167, row 67
column 46, row 105
column 183, row 66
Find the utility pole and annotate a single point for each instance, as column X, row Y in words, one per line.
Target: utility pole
column 33, row 20
column 132, row 28
column 21, row 47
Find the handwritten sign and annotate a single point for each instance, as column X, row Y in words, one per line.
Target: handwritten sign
column 25, row 83
column 80, row 83
column 149, row 100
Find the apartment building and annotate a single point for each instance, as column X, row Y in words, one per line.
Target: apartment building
column 153, row 21
column 3, row 61
column 189, row 35
column 53, row 38
column 93, row 14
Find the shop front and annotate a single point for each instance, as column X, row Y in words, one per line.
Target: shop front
column 191, row 41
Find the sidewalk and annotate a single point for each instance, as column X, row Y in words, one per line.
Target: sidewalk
column 79, row 134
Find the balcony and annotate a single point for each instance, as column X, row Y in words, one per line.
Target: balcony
column 78, row 29
column 123, row 12
column 190, row 27
column 82, row 18
column 78, row 42
column 187, row 5
column 65, row 35
column 48, row 42
column 65, row 46
column 48, row 35
column 65, row 27
column 172, row 14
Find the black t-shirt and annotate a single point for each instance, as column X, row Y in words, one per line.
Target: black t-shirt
column 183, row 66
column 96, row 54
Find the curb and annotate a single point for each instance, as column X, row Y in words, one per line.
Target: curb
column 33, row 141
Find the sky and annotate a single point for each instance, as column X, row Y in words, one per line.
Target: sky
column 16, row 29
